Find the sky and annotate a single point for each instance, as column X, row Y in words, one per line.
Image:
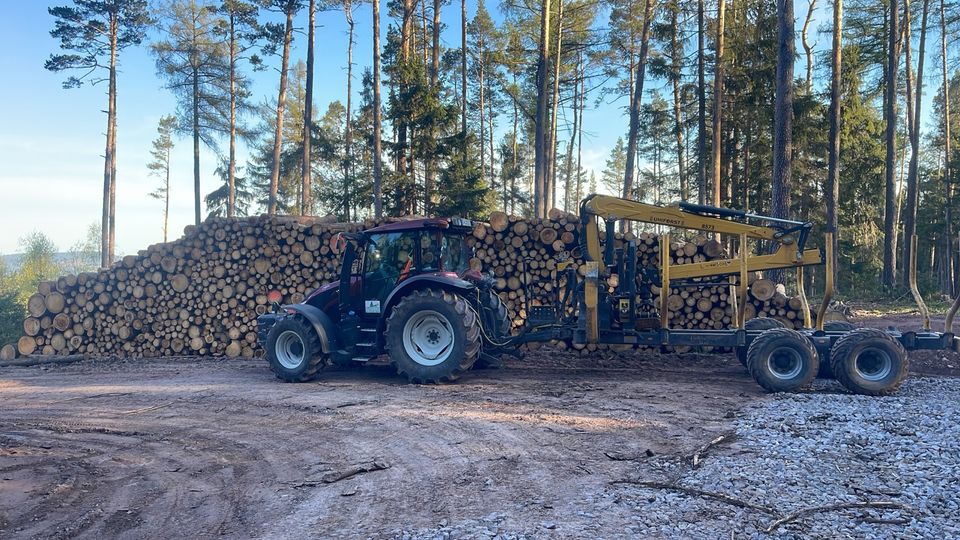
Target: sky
column 52, row 142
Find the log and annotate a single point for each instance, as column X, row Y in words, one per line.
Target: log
column 8, row 352
column 26, row 345
column 499, row 221
column 763, row 289
column 36, row 305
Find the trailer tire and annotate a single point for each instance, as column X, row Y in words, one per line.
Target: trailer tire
column 502, row 330
column 838, row 326
column 758, row 323
column 433, row 336
column 782, row 360
column 869, row 361
column 294, row 351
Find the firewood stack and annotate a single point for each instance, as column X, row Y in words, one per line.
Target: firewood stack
column 201, row 294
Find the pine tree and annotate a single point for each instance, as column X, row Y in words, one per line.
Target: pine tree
column 195, row 63
column 160, row 165
column 95, row 32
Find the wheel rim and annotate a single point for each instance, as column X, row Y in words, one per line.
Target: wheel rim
column 289, row 349
column 873, row 364
column 428, row 338
column 785, row 363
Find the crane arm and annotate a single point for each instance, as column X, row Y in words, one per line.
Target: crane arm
column 790, row 235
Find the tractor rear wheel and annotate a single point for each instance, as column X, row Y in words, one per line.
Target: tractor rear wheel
column 433, row 336
column 782, row 360
column 294, row 351
column 501, row 330
column 759, row 323
column 869, row 361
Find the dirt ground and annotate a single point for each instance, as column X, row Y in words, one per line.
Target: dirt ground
column 190, row 448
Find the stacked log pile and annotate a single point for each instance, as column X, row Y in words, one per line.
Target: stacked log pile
column 201, row 294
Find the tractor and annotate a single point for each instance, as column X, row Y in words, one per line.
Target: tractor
column 406, row 290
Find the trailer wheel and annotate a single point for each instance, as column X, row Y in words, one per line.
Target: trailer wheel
column 838, row 326
column 433, row 336
column 759, row 323
column 495, row 303
column 293, row 350
column 782, row 360
column 869, row 361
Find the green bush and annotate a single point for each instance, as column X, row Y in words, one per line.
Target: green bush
column 12, row 314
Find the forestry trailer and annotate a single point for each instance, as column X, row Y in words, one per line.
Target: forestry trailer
column 406, row 290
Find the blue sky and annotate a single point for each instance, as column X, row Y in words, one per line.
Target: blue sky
column 51, row 141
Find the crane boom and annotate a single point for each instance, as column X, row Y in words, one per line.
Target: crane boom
column 790, row 236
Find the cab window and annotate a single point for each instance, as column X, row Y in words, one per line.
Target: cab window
column 389, row 258
column 453, row 255
column 429, row 259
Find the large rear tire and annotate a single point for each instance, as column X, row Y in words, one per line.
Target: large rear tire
column 869, row 361
column 759, row 323
column 782, row 360
column 294, row 351
column 433, row 336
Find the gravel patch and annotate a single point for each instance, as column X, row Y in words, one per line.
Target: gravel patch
column 798, row 451
column 791, row 452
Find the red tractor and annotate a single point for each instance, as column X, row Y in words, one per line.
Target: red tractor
column 406, row 290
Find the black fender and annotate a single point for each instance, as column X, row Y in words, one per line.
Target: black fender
column 322, row 324
column 452, row 284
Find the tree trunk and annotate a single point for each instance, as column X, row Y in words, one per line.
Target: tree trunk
column 513, row 169
column 306, row 189
column 579, row 133
column 166, row 196
column 281, row 105
column 483, row 132
column 910, row 220
column 430, row 165
column 783, row 112
column 832, row 188
column 701, row 106
column 552, row 146
column 718, row 102
column 106, row 239
column 232, row 158
column 634, row 132
column 463, row 73
column 541, row 153
column 348, row 128
column 783, row 117
column 889, row 217
column 808, row 48
column 948, row 190
column 377, row 151
column 196, row 145
column 676, row 57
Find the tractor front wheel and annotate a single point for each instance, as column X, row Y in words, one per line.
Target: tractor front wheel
column 433, row 336
column 294, row 351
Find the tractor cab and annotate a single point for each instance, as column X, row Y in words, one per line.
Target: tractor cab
column 384, row 258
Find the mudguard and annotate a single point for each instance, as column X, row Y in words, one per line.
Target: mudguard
column 322, row 324
column 441, row 281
